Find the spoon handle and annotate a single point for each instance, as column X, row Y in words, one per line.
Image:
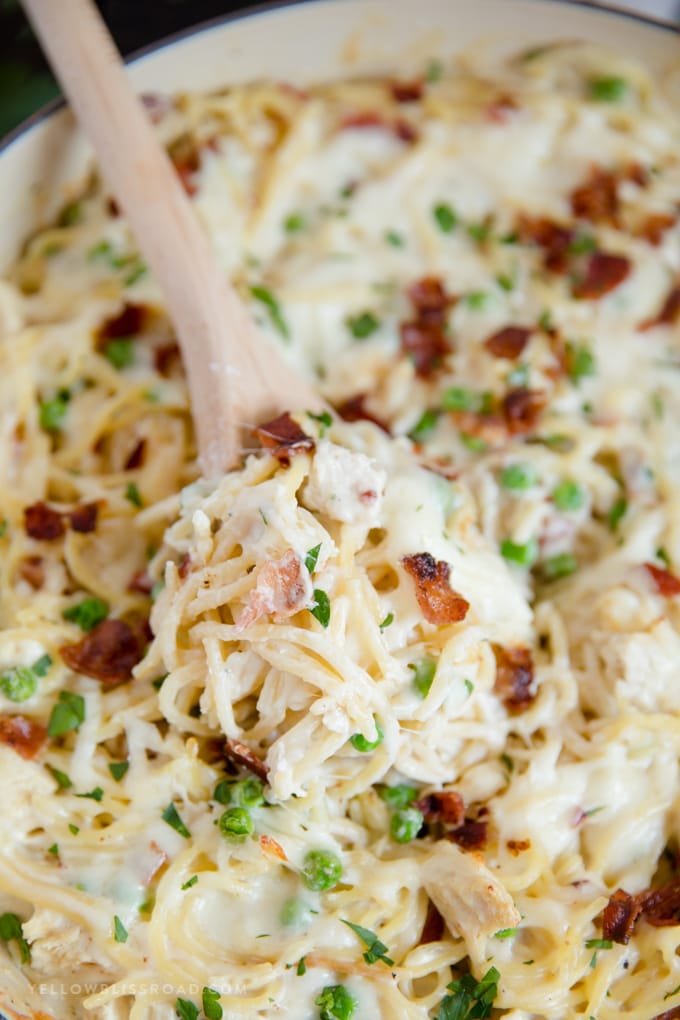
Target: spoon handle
column 235, row 376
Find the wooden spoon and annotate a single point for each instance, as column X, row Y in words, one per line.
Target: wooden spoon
column 236, row 377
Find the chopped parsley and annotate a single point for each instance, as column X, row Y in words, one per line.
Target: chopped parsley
column 423, row 675
column 118, row 769
column 186, row 1009
column 266, row 298
column 469, row 686
column 311, row 558
column 62, row 780
column 137, row 270
column 324, row 419
column 580, row 361
column 425, row 426
column 120, row 352
column 609, row 89
column 363, row 325
column 508, row 762
column 479, row 232
column 375, row 949
column 434, row 71
column 73, row 829
column 52, row 412
column 477, row 300
column 171, row 816
column 71, row 214
column 395, row 239
column 95, row 794
column 470, row 999
column 582, row 244
column 212, row 1009
column 54, row 849
column 445, row 217
column 458, row 398
column 524, row 555
column 505, row 282
column 294, row 223
column 11, row 931
column 387, row 621
column 133, row 495
column 321, row 609
column 560, row 565
column 599, row 944
column 506, row 933
column 67, row 714
column 473, row 443
column 617, row 513
column 119, row 930
column 335, row 1003
column 189, row 882
column 301, row 968
column 87, row 614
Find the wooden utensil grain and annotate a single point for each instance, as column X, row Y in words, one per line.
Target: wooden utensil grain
column 235, row 376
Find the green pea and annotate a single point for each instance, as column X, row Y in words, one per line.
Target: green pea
column 236, row 823
column 406, row 824
column 359, row 742
column 321, row 870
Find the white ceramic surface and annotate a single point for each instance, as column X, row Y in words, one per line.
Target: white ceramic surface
column 43, row 165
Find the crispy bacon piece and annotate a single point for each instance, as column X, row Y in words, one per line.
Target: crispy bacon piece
column 597, row 198
column 426, row 344
column 32, row 570
column 185, row 156
column 107, row 653
column 655, row 226
column 355, row 409
column 430, row 300
column 281, row 591
column 553, row 238
column 433, row 929
column 508, row 342
column 438, row 602
column 471, row 835
column 284, row 438
column 407, row 91
column 501, row 109
column 620, row 917
column 269, row 846
column 399, row 127
column 604, row 272
column 43, row 522
column 490, row 427
column 23, row 735
column 514, row 676
column 445, row 806
column 518, row 846
column 241, row 754
column 666, row 584
column 167, row 358
column 669, row 1014
column 637, row 174
column 128, row 322
column 668, row 313
column 661, row 906
column 522, row 409
column 141, row 582
column 136, row 457
column 83, row 518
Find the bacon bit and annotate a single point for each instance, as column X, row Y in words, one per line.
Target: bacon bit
column 514, row 676
column 355, row 409
column 438, row 602
column 620, row 917
column 281, row 591
column 471, row 835
column 501, row 109
column 284, row 438
column 241, row 754
column 112, row 207
column 661, row 906
column 426, row 344
column 23, row 735
column 604, row 272
column 83, row 518
column 407, row 91
column 433, row 929
column 136, row 458
column 166, row 358
column 518, row 846
column 108, row 653
column 491, row 428
column 655, row 226
column 141, row 582
column 399, row 127
column 669, row 1014
column 668, row 315
column 129, row 322
column 445, row 806
column 508, row 342
column 597, row 198
column 430, row 300
column 553, row 238
column 186, row 159
column 43, row 522
column 636, row 173
column 522, row 409
column 666, row 584
column 269, row 846
column 32, row 570
column 185, row 565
